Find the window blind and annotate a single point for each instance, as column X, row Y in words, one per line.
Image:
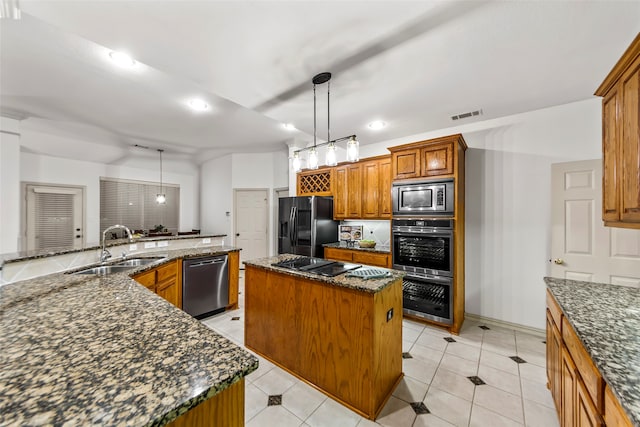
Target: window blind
column 133, row 203
column 53, row 220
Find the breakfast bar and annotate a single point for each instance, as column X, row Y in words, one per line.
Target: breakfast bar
column 340, row 334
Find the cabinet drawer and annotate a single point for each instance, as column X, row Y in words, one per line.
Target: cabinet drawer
column 592, row 379
column 147, row 279
column 369, row 258
column 167, row 271
column 614, row 415
column 338, row 254
column 554, row 309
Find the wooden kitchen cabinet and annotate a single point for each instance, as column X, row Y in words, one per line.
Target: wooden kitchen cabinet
column 435, row 158
column 384, row 183
column 614, row 415
column 621, row 141
column 316, row 182
column 166, row 281
column 354, row 191
column 376, row 191
column 406, row 163
column 340, row 193
column 554, row 360
column 376, row 259
column 234, row 279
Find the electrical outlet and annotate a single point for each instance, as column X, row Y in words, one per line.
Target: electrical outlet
column 148, row 245
column 163, row 244
column 389, row 314
column 206, row 240
column 133, row 248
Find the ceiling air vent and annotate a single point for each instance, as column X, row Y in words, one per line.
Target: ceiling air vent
column 465, row 115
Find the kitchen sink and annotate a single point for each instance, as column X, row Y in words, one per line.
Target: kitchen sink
column 103, row 270
column 136, row 262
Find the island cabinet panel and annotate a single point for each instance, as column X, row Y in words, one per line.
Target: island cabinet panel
column 554, row 359
column 224, row 409
column 335, row 338
column 614, row 415
column 234, row 279
column 586, row 413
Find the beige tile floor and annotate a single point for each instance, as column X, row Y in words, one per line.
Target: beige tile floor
column 436, row 375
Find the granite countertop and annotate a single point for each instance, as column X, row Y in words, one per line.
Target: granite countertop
column 607, row 321
column 27, row 255
column 103, row 350
column 343, row 245
column 369, row 285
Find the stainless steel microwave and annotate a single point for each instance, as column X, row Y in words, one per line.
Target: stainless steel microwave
column 424, row 198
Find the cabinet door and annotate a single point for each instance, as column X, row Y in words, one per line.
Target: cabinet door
column 630, row 145
column 614, row 415
column 437, row 159
column 554, row 360
column 372, row 258
column 148, row 279
column 340, row 193
column 406, row 164
column 234, row 272
column 586, row 414
column 384, row 192
column 338, row 254
column 354, row 191
column 370, row 189
column 610, row 140
column 568, row 392
column 170, row 289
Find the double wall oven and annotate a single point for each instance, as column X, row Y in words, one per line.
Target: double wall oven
column 423, row 247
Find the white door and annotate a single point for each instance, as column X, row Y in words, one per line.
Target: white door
column 582, row 248
column 251, row 223
column 54, row 217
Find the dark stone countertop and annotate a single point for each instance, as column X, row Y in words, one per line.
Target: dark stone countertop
column 368, row 285
column 342, row 245
column 606, row 318
column 36, row 254
column 104, row 350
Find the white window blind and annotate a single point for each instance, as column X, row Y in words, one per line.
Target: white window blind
column 133, row 203
column 53, row 220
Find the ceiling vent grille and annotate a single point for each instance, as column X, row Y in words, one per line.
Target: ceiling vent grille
column 466, row 115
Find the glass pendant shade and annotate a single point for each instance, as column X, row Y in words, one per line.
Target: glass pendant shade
column 313, row 158
column 353, row 150
column 331, row 159
column 161, row 199
column 296, row 164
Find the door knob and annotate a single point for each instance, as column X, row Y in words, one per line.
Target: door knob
column 558, row 261
column 237, row 234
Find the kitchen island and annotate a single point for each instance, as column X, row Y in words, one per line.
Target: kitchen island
column 340, row 334
column 597, row 328
column 104, row 350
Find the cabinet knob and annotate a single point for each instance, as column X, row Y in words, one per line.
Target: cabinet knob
column 558, row 261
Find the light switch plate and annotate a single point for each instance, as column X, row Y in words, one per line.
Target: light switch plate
column 148, row 245
column 133, row 247
column 163, row 244
column 206, row 240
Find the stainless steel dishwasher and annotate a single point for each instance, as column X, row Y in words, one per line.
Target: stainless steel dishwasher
column 205, row 285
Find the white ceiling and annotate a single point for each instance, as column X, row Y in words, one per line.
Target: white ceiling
column 411, row 64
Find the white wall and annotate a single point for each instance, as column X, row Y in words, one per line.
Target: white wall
column 54, row 170
column 240, row 171
column 9, row 185
column 508, row 202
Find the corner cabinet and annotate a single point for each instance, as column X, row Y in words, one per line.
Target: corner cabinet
column 166, row 281
column 621, row 141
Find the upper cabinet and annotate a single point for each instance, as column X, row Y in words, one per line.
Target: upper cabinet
column 315, row 182
column 621, row 141
column 435, row 158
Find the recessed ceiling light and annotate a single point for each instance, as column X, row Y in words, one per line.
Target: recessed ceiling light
column 289, row 126
column 377, row 125
column 121, row 59
column 198, row 105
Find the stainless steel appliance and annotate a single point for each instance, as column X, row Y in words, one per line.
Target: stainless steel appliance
column 305, row 224
column 205, row 285
column 424, row 249
column 318, row 266
column 423, row 198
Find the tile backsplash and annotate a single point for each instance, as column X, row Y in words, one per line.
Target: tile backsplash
column 380, row 231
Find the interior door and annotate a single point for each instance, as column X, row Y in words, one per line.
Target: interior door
column 582, row 248
column 251, row 223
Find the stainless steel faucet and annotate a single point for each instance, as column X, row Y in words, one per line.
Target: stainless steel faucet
column 105, row 254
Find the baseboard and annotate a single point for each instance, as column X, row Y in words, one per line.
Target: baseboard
column 502, row 323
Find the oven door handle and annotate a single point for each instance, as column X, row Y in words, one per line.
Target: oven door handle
column 414, row 234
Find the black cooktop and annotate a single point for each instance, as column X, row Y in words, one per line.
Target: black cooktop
column 318, row 266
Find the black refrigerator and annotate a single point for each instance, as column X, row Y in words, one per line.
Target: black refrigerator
column 305, row 224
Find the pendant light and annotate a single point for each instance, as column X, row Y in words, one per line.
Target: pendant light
column 161, row 199
column 331, row 155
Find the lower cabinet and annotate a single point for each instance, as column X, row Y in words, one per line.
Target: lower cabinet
column 166, row 281
column 376, row 259
column 579, row 392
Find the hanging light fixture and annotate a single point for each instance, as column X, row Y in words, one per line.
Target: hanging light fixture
column 161, row 199
column 331, row 158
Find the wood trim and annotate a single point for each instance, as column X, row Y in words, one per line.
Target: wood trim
column 629, row 55
column 224, row 409
column 419, row 144
column 554, row 309
column 234, row 279
column 614, row 414
column 617, row 224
